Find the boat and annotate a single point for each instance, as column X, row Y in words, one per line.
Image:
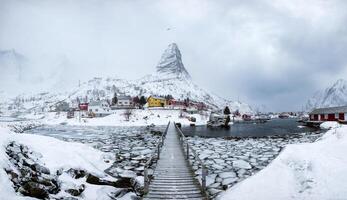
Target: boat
column 283, row 116
column 262, row 118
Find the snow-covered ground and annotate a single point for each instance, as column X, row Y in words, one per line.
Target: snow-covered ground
column 302, row 171
column 138, row 117
column 56, row 163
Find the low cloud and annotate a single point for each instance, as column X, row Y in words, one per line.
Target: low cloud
column 272, row 53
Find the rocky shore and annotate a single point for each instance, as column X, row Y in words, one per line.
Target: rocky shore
column 231, row 160
column 132, row 148
column 21, row 126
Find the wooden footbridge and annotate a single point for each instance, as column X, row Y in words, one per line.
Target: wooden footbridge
column 173, row 177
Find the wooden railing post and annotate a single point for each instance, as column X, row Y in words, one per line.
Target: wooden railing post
column 204, row 172
column 160, row 144
column 158, row 151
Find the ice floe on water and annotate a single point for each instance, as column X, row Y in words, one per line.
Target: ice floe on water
column 230, row 161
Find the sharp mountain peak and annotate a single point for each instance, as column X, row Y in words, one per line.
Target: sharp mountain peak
column 171, row 65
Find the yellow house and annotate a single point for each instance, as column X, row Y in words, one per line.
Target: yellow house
column 154, row 101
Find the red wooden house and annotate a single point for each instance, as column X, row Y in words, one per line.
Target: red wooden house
column 174, row 102
column 83, row 106
column 198, row 105
column 329, row 114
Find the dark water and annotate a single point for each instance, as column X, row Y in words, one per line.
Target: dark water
column 270, row 128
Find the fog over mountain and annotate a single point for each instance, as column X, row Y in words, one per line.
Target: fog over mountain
column 270, row 54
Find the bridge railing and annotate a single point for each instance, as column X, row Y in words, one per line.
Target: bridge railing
column 153, row 159
column 188, row 150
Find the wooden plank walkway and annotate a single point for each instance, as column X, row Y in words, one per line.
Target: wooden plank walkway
column 173, row 177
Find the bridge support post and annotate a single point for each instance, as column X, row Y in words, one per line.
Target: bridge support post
column 187, row 151
column 203, row 177
column 146, row 181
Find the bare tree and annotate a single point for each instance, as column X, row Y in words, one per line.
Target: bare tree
column 127, row 114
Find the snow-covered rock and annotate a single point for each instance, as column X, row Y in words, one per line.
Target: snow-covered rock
column 46, row 167
column 335, row 95
column 329, row 125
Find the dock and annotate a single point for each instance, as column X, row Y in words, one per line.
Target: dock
column 173, row 177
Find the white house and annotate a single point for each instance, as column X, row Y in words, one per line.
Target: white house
column 99, row 108
column 123, row 102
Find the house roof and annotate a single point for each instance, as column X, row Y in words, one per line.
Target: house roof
column 97, row 103
column 157, row 97
column 330, row 110
column 124, row 98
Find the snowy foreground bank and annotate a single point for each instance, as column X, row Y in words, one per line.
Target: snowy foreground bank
column 46, row 167
column 137, row 117
column 301, row 171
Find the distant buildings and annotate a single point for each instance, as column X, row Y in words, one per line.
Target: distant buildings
column 61, row 107
column 176, row 103
column 83, row 106
column 99, row 108
column 155, row 101
column 125, row 101
column 329, row 114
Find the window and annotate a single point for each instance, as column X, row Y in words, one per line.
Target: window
column 96, row 110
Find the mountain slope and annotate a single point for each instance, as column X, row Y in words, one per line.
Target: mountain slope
column 12, row 63
column 171, row 78
column 335, row 95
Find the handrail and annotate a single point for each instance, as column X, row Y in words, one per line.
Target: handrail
column 204, row 171
column 156, row 155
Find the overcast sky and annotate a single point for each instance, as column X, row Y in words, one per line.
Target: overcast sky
column 275, row 53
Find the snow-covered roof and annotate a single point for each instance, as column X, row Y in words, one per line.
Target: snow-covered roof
column 124, row 98
column 330, row 110
column 157, row 97
column 97, row 103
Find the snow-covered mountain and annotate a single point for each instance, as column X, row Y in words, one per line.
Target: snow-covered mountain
column 335, row 95
column 12, row 63
column 171, row 78
column 171, row 65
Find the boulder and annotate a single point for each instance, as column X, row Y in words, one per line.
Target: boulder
column 33, row 189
